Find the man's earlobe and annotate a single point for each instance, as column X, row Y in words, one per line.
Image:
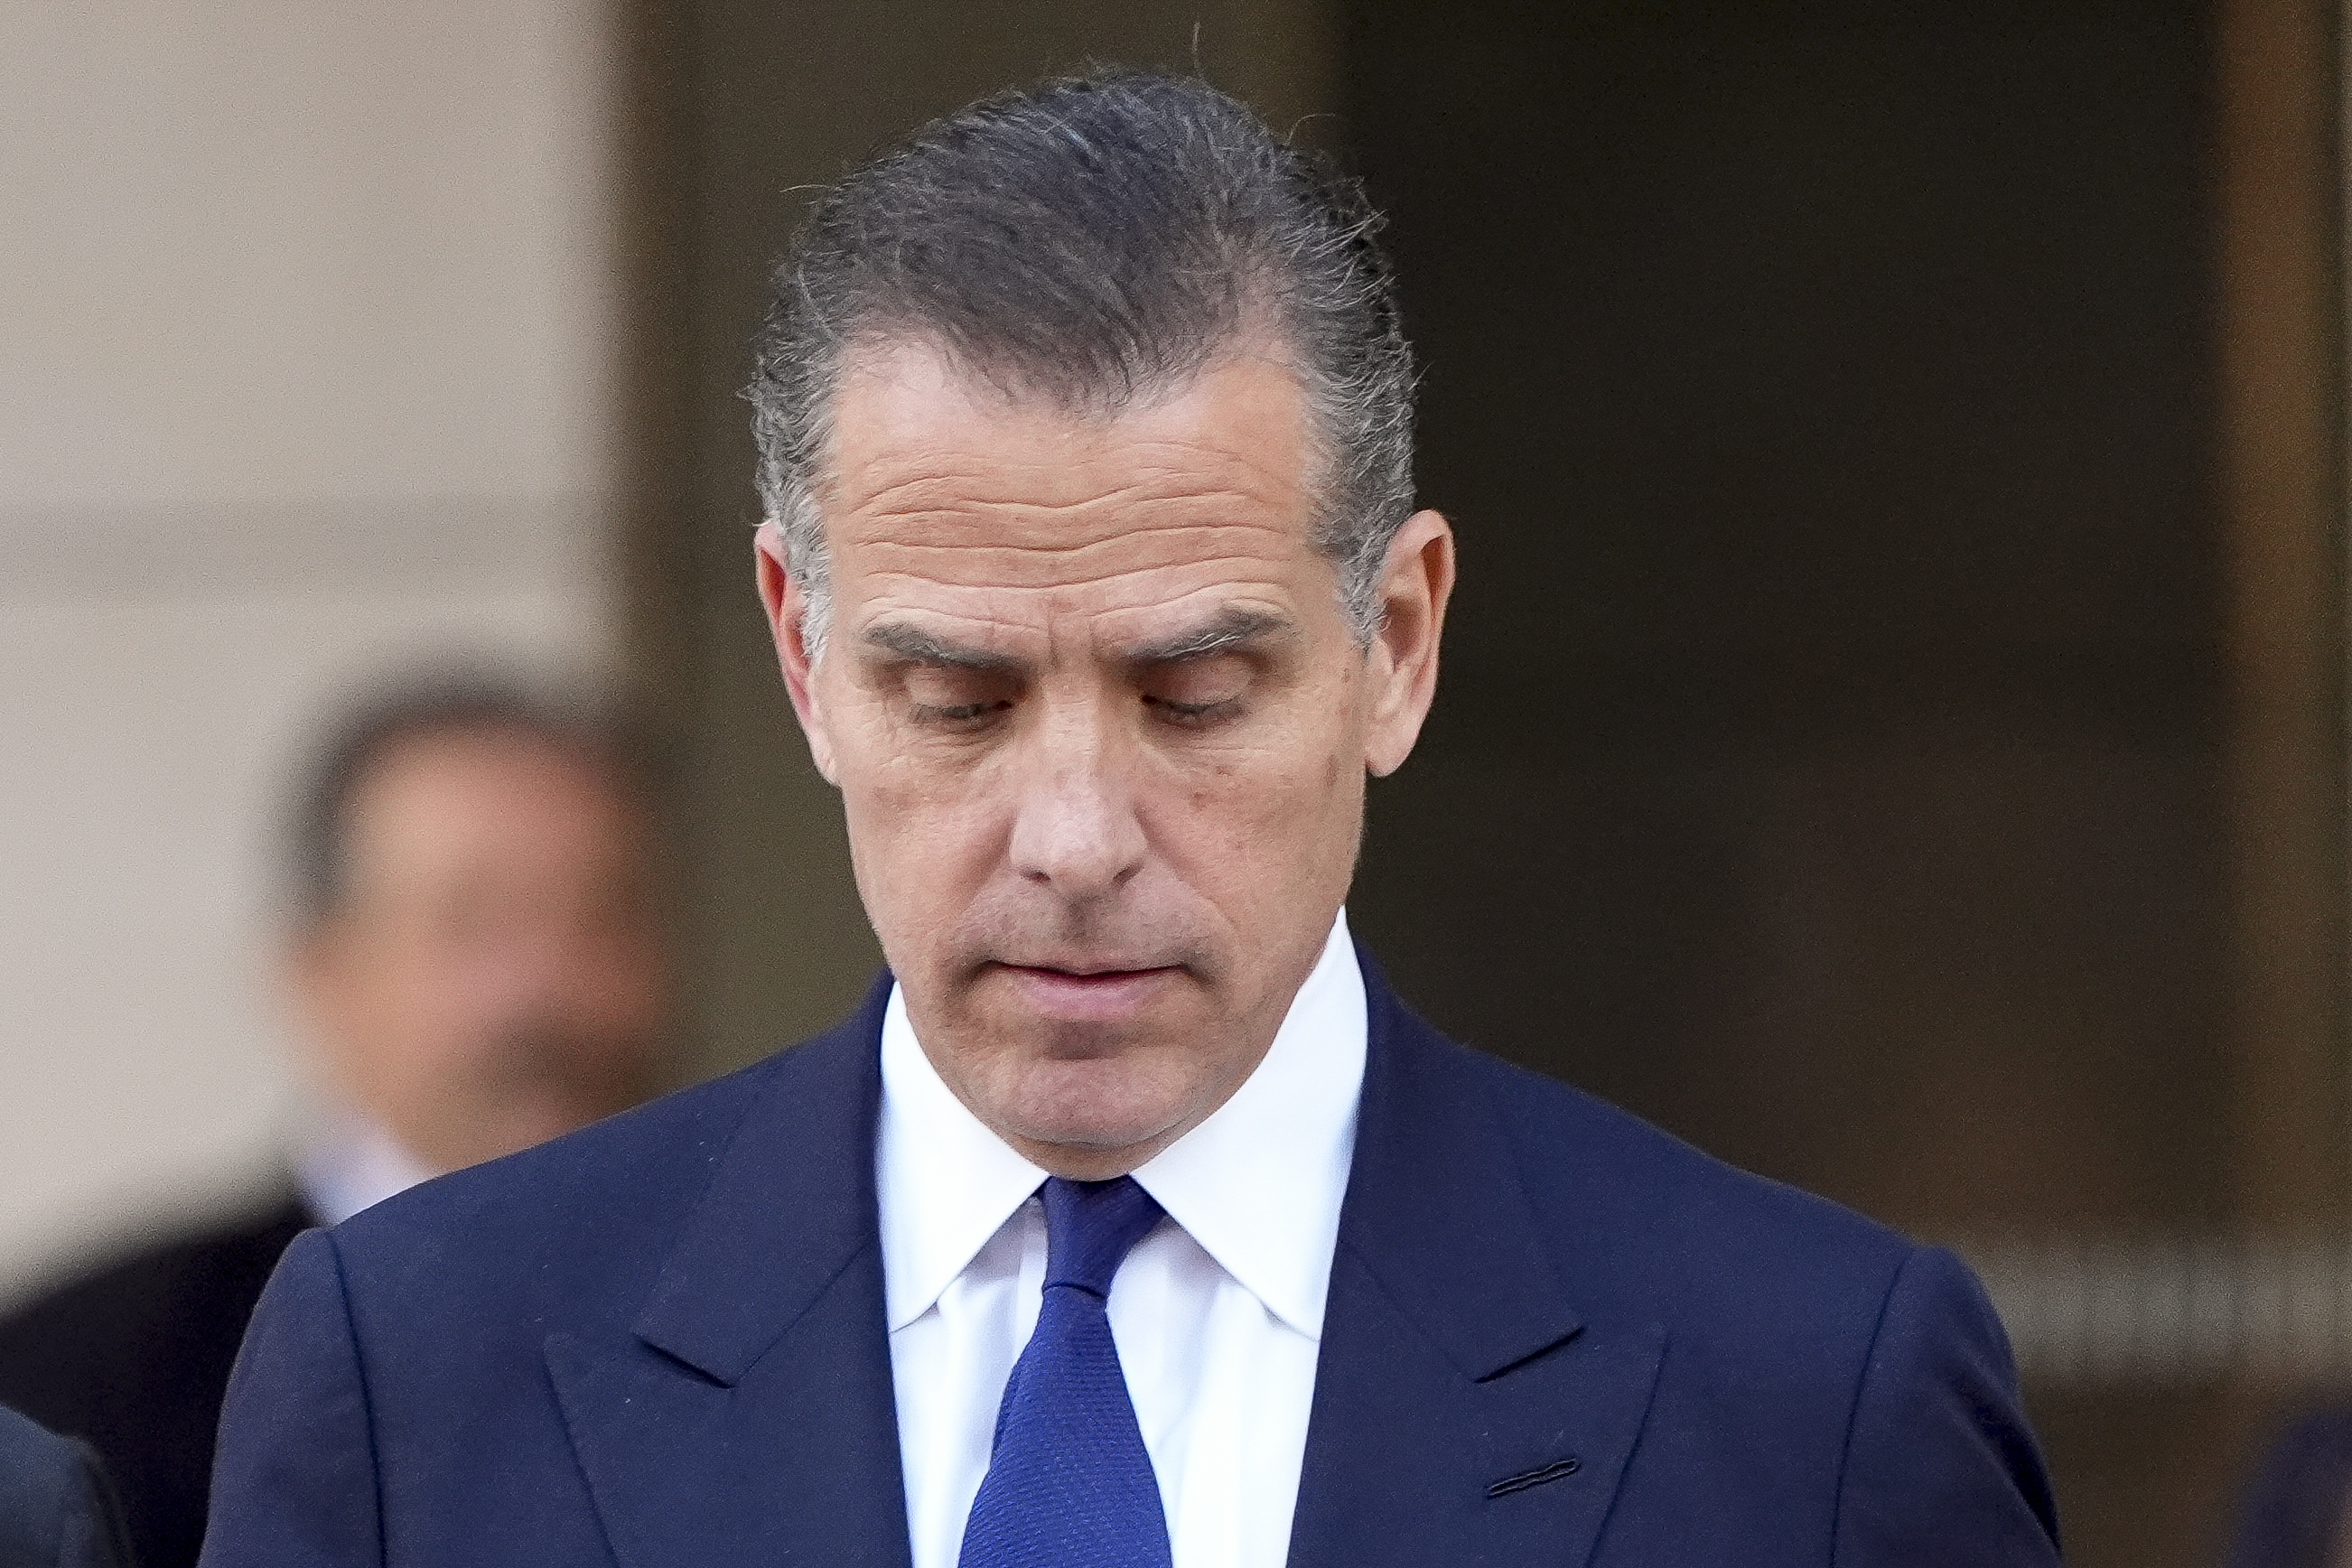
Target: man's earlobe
column 787, row 612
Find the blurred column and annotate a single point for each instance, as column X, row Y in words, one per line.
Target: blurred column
column 2279, row 209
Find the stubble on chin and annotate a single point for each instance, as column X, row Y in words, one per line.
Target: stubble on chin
column 1068, row 1084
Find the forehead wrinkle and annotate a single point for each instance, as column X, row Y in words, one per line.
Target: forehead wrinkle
column 962, row 496
column 1168, row 547
column 1239, row 574
column 978, row 508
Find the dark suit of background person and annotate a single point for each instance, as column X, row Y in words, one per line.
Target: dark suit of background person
column 1095, row 702
column 133, row 1357
column 55, row 1509
column 439, row 794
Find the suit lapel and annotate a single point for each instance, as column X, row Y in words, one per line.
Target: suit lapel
column 1463, row 1412
column 749, row 1417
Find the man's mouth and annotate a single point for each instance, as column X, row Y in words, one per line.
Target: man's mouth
column 1088, row 994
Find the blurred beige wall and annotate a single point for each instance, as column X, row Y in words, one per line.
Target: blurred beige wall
column 304, row 366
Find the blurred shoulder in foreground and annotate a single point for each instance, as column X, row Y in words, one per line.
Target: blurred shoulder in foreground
column 55, row 1509
column 132, row 1355
column 2297, row 1508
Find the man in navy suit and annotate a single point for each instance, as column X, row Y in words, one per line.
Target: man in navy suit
column 55, row 1509
column 1133, row 1220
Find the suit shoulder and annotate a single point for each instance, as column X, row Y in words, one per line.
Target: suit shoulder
column 572, row 1230
column 595, row 1205
column 1664, row 1209
column 647, row 1156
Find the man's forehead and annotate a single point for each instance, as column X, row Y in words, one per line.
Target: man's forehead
column 956, row 498
column 911, row 431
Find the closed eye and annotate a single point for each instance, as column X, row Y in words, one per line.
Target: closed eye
column 1192, row 714
column 955, row 698
column 959, row 713
column 1199, row 689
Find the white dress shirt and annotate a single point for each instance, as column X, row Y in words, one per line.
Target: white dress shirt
column 1218, row 1313
column 350, row 1162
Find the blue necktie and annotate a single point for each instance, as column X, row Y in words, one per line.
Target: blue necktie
column 1069, row 1484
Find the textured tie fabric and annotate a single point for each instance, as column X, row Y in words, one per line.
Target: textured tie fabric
column 1069, row 1484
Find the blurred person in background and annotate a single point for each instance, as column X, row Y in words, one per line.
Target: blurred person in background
column 55, row 1509
column 475, row 964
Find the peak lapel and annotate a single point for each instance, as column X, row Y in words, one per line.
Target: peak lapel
column 1463, row 1412
column 749, row 1418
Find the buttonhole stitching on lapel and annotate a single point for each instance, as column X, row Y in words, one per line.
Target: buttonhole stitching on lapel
column 1551, row 1472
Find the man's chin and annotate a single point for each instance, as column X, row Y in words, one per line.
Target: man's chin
column 1092, row 1109
column 1089, row 1150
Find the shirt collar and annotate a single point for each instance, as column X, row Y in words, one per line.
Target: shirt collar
column 1258, row 1185
column 944, row 1183
column 350, row 1163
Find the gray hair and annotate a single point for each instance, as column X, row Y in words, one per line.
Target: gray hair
column 1091, row 243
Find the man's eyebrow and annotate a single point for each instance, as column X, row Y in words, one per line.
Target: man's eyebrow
column 1230, row 628
column 919, row 646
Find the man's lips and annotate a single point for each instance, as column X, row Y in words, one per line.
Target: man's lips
column 1089, row 993
column 1086, row 970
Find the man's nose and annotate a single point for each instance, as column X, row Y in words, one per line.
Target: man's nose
column 1076, row 830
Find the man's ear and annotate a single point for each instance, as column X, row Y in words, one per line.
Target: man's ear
column 787, row 610
column 1416, row 580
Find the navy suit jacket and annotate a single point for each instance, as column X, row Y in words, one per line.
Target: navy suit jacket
column 1555, row 1336
column 55, row 1509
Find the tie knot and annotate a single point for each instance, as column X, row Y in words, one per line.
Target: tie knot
column 1090, row 1229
